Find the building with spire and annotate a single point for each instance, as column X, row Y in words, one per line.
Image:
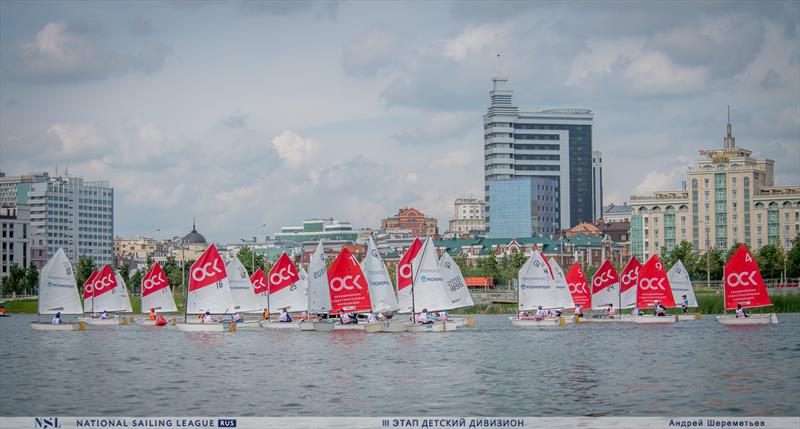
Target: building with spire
column 729, row 197
column 544, row 149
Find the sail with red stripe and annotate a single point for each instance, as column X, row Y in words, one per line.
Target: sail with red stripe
column 405, row 276
column 209, row 289
column 156, row 293
column 260, row 287
column 99, row 297
column 286, row 287
column 87, row 289
column 628, row 280
column 605, row 287
column 348, row 287
column 743, row 282
column 576, row 280
column 653, row 285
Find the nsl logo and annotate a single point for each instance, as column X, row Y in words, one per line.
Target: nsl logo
column 742, row 279
column 283, row 274
column 630, row 277
column 154, row 281
column 653, row 283
column 577, row 288
column 209, row 269
column 47, row 422
column 346, row 283
column 602, row 278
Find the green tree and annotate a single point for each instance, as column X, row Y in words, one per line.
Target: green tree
column 487, row 266
column 682, row 252
column 463, row 265
column 32, row 279
column 125, row 272
column 770, row 261
column 14, row 282
column 135, row 283
column 793, row 260
column 248, row 257
column 86, row 267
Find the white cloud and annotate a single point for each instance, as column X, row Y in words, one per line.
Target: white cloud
column 659, row 181
column 653, row 73
column 294, row 149
column 438, row 127
column 476, row 39
column 456, row 158
column 370, row 52
column 80, row 140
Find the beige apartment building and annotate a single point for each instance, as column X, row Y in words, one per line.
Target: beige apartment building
column 469, row 218
column 729, row 197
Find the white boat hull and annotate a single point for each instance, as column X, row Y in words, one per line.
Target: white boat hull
column 279, row 325
column 434, row 327
column 249, row 324
column 316, row 325
column 755, row 319
column 46, row 326
column 348, row 327
column 545, row 323
column 102, row 322
column 390, row 326
column 689, row 317
column 651, row 319
column 203, row 327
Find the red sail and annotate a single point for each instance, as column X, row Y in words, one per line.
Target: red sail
column 630, row 274
column 104, row 281
column 743, row 282
column 404, row 273
column 259, row 281
column 154, row 280
column 87, row 285
column 605, row 276
column 208, row 269
column 347, row 284
column 282, row 274
column 653, row 285
column 576, row 280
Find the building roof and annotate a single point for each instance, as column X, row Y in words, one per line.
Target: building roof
column 194, row 237
column 617, row 210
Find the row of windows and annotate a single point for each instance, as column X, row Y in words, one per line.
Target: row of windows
column 537, row 157
column 537, row 167
column 523, row 146
column 537, row 137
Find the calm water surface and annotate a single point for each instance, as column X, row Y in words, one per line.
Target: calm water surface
column 691, row 368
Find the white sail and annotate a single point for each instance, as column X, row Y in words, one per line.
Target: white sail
column 628, row 298
column 319, row 295
column 381, row 290
column 536, row 287
column 293, row 297
column 681, row 284
column 106, row 301
column 160, row 300
column 244, row 299
column 58, row 291
column 122, row 295
column 215, row 299
column 428, row 282
column 561, row 286
column 404, row 298
column 454, row 284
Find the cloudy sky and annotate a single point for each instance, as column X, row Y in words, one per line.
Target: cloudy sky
column 252, row 113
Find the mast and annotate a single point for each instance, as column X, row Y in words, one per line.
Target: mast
column 185, row 301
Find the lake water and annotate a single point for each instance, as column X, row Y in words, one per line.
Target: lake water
column 689, row 369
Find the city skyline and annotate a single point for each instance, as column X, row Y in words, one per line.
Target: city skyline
column 261, row 120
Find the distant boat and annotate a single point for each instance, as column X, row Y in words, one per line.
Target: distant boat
column 58, row 293
column 405, row 276
column 156, row 293
column 744, row 286
column 103, row 296
column 319, row 295
column 348, row 288
column 260, row 288
column 456, row 288
column 628, row 280
column 578, row 287
column 245, row 300
column 381, row 291
column 653, row 287
column 537, row 287
column 428, row 290
column 288, row 289
column 681, row 285
column 562, row 286
column 208, row 291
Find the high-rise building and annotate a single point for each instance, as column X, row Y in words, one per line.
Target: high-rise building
column 597, row 185
column 554, row 144
column 469, row 218
column 15, row 242
column 731, row 198
column 524, row 207
column 67, row 212
column 411, row 220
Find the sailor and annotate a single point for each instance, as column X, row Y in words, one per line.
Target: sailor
column 685, row 305
column 285, row 317
column 104, row 314
column 541, row 313
column 344, row 318
column 57, row 319
column 660, row 309
column 237, row 318
column 207, row 318
column 422, row 318
column 740, row 312
column 635, row 312
column 265, row 314
column 578, row 310
column 371, row 318
column 443, row 315
column 611, row 313
column 381, row 317
column 152, row 314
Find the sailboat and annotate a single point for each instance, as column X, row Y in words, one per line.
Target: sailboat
column 405, row 276
column 456, row 288
column 208, row 291
column 124, row 299
column 319, row 295
column 58, row 293
column 428, row 290
column 287, row 290
column 744, row 286
column 245, row 300
column 562, row 286
column 348, row 288
column 381, row 292
column 156, row 294
column 653, row 286
column 682, row 286
column 578, row 288
column 537, row 287
column 628, row 280
column 605, row 291
column 101, row 295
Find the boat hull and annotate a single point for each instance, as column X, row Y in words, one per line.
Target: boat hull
column 755, row 319
column 279, row 325
column 312, row 325
column 689, row 317
column 102, row 322
column 546, row 323
column 45, row 326
column 348, row 327
column 249, row 324
column 434, row 327
column 204, row 327
column 391, row 326
column 651, row 319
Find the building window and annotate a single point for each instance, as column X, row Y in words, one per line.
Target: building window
column 705, row 185
column 733, row 182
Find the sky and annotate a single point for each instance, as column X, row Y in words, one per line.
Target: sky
column 252, row 115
